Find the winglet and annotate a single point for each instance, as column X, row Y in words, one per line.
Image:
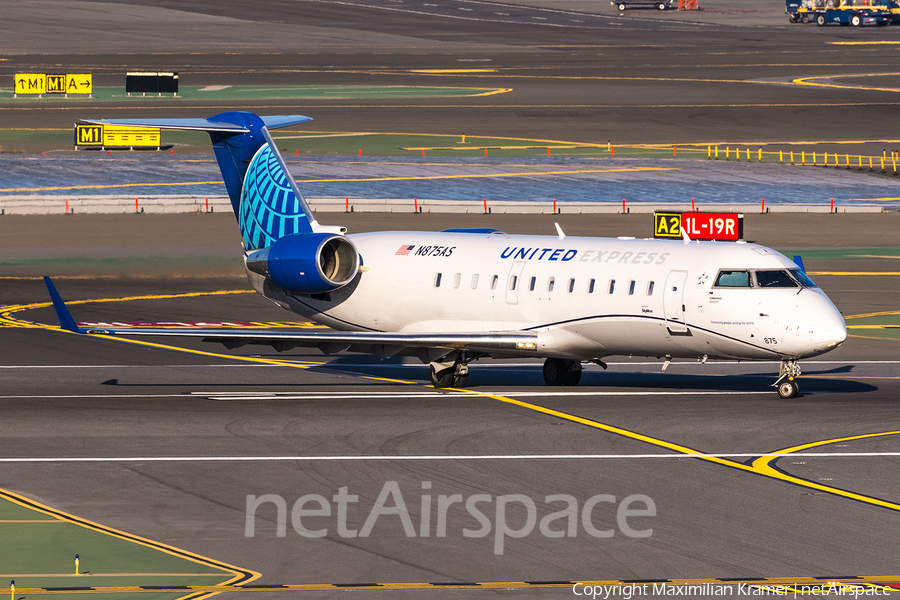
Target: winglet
column 799, row 262
column 62, row 313
column 684, row 236
column 559, row 231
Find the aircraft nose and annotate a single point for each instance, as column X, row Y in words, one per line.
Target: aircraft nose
column 827, row 330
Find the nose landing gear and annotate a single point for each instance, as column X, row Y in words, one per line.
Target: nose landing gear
column 787, row 384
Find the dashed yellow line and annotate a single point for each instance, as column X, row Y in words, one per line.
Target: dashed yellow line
column 860, row 582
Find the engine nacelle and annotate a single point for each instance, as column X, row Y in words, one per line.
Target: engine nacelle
column 307, row 263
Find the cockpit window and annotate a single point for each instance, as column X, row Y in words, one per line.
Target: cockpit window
column 803, row 278
column 775, row 279
column 733, row 279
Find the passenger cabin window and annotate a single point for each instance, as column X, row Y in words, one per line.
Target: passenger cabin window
column 612, row 286
column 437, row 280
column 650, row 289
column 631, row 288
column 775, row 279
column 591, row 287
column 512, row 282
column 736, row 279
column 456, row 280
column 571, row 285
column 532, row 283
column 550, row 283
column 475, row 281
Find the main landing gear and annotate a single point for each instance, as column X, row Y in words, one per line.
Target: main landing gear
column 451, row 371
column 787, row 383
column 562, row 372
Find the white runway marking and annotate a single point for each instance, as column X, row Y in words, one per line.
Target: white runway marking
column 431, row 457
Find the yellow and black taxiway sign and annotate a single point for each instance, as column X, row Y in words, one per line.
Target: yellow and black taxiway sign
column 110, row 136
column 667, row 225
column 42, row 83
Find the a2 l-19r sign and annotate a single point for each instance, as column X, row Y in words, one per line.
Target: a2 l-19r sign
column 699, row 225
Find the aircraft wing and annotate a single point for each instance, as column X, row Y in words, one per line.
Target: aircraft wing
column 382, row 344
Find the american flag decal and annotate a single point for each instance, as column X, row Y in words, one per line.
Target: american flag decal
column 404, row 250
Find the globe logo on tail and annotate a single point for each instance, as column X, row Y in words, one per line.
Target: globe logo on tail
column 270, row 209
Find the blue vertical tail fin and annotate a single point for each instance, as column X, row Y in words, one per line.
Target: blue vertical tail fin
column 264, row 196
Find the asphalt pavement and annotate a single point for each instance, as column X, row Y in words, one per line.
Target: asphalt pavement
column 174, row 441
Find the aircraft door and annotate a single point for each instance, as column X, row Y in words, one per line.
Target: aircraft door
column 673, row 301
column 514, row 282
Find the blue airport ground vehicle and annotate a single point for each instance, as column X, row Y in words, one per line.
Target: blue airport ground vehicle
column 803, row 11
column 843, row 12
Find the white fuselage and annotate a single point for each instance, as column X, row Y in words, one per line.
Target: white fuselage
column 586, row 298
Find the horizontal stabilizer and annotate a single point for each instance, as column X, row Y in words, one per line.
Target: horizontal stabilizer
column 264, row 196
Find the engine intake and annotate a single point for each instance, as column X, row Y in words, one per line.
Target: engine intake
column 307, row 263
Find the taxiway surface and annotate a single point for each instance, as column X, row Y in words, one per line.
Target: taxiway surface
column 171, row 443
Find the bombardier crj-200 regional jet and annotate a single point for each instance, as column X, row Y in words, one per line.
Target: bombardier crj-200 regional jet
column 451, row 297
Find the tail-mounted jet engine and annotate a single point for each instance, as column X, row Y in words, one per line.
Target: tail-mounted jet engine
column 307, row 263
